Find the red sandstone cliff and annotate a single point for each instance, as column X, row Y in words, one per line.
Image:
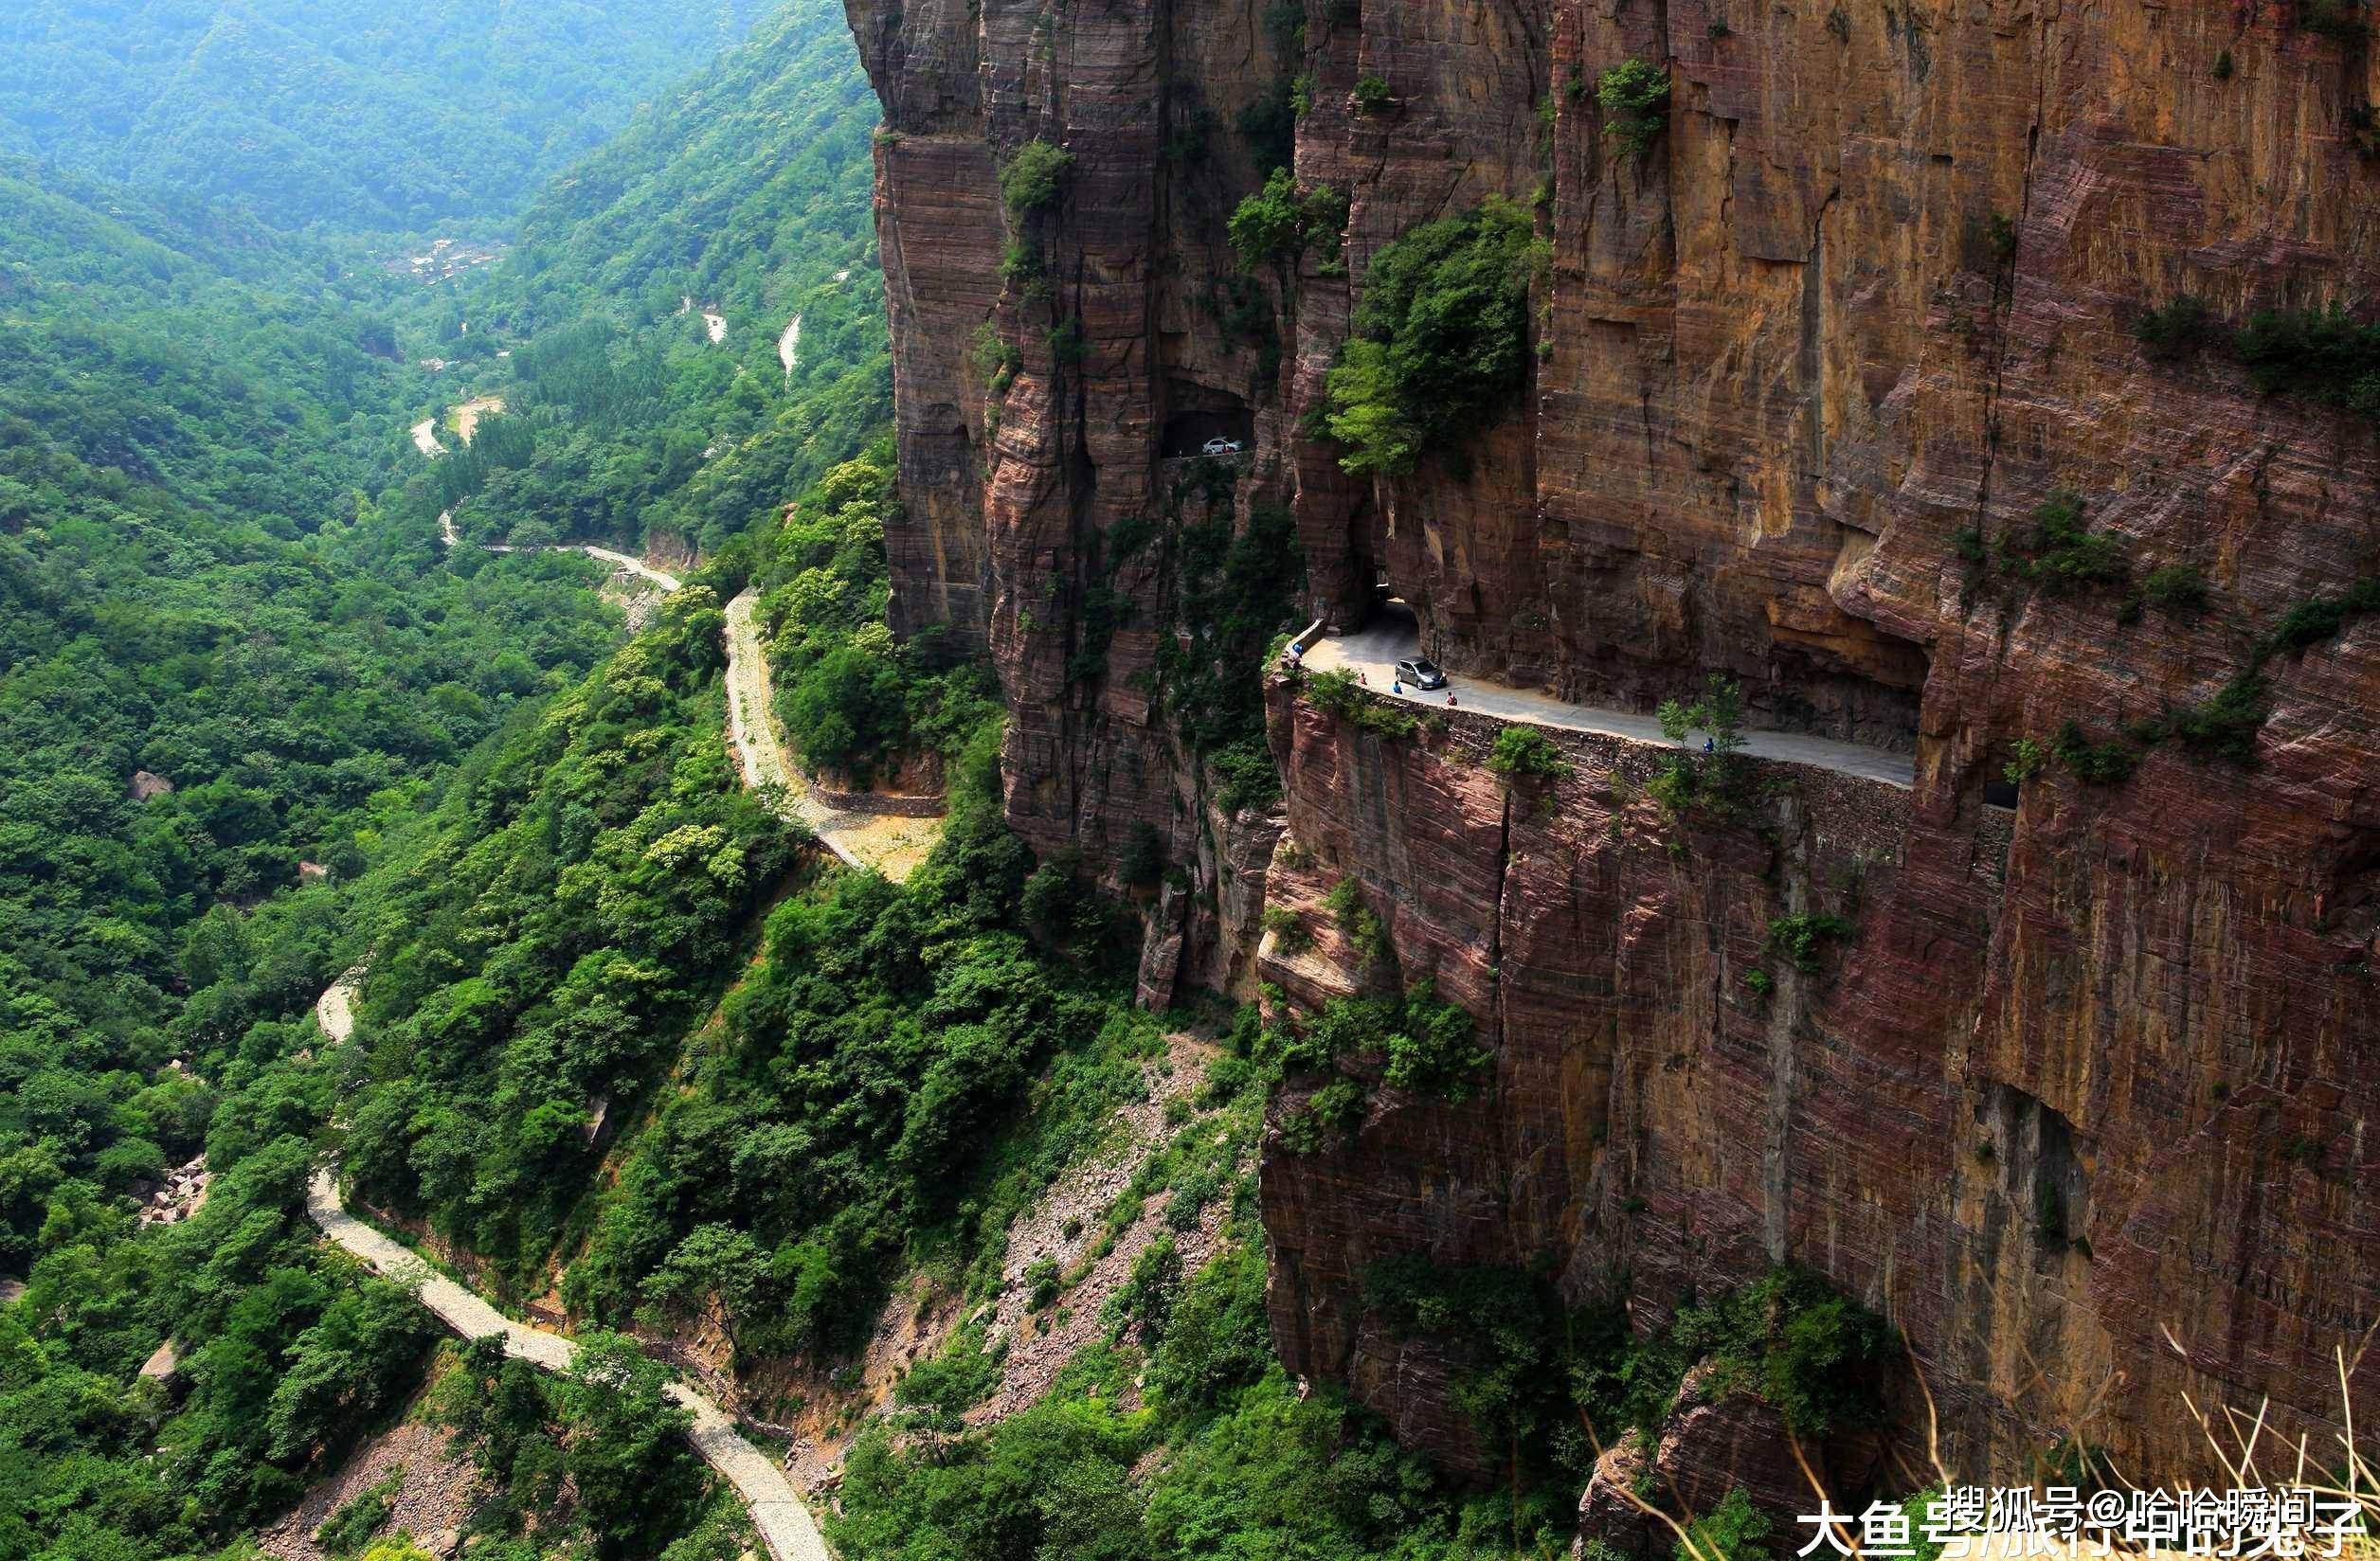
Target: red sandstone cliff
column 1873, row 287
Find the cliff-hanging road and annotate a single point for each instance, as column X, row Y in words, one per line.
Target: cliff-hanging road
column 782, row 1522
column 1375, row 650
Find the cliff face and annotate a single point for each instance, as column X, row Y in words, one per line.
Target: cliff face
column 1867, row 301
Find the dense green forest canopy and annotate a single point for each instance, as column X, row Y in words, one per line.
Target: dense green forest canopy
column 228, row 647
column 358, row 114
column 200, row 589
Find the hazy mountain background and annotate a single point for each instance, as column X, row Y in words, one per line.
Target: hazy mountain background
column 355, row 113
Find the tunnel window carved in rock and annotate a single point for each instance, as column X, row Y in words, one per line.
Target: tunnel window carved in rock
column 2042, row 1167
column 1200, row 416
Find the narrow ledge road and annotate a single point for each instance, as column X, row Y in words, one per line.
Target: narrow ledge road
column 1375, row 650
column 784, row 1524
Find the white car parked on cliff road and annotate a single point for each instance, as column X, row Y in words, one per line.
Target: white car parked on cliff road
column 1222, row 447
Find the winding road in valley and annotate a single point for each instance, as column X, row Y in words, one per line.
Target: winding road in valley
column 891, row 846
column 784, row 1523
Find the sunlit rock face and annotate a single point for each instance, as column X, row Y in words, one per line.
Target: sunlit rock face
column 1867, row 303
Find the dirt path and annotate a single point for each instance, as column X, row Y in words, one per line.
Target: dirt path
column 784, row 1522
column 466, row 419
column 449, row 537
column 335, row 1011
column 893, row 847
column 467, row 416
column 789, row 346
column 618, row 560
column 717, row 325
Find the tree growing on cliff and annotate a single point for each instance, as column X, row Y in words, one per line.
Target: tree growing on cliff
column 1279, row 223
column 2059, row 550
column 1441, row 341
column 1800, row 937
column 1434, row 1051
column 1634, row 96
column 1523, row 752
column 1705, row 777
column 1030, row 181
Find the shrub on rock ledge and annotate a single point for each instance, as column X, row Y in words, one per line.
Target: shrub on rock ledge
column 1030, row 181
column 1441, row 341
column 1526, row 751
column 1636, row 101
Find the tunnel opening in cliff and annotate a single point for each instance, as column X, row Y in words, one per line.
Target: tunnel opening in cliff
column 1196, row 413
column 1862, row 688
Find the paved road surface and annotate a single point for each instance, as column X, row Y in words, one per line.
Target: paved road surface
column 618, row 560
column 782, row 1521
column 1376, row 650
column 449, row 537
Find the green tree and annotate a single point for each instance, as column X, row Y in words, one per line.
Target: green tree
column 1441, row 339
column 1527, row 751
column 1030, row 181
column 636, row 1476
column 1280, row 222
column 1634, row 96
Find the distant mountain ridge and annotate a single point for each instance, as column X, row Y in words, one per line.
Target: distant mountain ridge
column 357, row 113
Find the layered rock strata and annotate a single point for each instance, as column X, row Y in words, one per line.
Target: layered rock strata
column 1863, row 308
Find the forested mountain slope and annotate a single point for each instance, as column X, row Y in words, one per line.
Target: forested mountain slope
column 224, row 581
column 201, row 591
column 227, row 648
column 359, row 114
column 742, row 197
